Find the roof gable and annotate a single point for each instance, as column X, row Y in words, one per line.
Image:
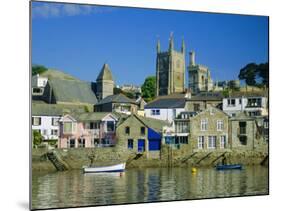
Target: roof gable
column 118, row 98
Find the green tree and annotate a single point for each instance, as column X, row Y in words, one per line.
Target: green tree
column 38, row 69
column 263, row 71
column 249, row 73
column 37, row 138
column 148, row 88
column 252, row 71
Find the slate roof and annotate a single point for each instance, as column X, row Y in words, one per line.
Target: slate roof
column 43, row 109
column 118, row 98
column 155, row 124
column 72, row 91
column 105, row 73
column 207, row 96
column 91, row 116
column 166, row 103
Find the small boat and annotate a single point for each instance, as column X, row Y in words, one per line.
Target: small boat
column 114, row 168
column 229, row 167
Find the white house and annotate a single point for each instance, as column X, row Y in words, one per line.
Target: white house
column 253, row 106
column 45, row 119
column 38, row 83
column 48, row 126
column 166, row 109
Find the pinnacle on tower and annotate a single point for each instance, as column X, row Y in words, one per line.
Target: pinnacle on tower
column 171, row 43
column 183, row 46
column 158, row 46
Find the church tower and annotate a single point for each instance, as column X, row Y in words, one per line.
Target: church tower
column 199, row 76
column 170, row 69
column 105, row 83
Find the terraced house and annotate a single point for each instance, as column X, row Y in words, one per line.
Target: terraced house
column 141, row 135
column 88, row 130
column 209, row 130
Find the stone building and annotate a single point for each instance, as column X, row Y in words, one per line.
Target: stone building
column 248, row 133
column 116, row 103
column 141, row 135
column 199, row 76
column 104, row 83
column 209, row 131
column 170, row 69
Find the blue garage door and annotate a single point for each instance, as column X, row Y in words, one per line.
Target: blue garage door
column 141, row 145
column 154, row 144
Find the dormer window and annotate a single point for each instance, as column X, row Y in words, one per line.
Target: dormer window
column 230, row 102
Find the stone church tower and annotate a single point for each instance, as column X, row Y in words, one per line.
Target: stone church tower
column 199, row 76
column 104, row 83
column 170, row 69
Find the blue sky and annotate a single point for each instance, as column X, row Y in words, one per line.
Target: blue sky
column 79, row 39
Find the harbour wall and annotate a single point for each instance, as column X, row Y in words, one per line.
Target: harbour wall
column 167, row 157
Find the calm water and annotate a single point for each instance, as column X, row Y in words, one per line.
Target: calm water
column 73, row 188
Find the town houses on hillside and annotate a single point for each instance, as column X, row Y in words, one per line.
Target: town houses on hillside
column 195, row 116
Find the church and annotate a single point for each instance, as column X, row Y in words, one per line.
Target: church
column 171, row 69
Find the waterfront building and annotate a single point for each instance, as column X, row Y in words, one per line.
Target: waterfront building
column 199, row 76
column 248, row 133
column 104, row 83
column 166, row 108
column 85, row 130
column 170, row 69
column 116, row 103
column 203, row 100
column 209, row 130
column 141, row 135
column 45, row 120
column 252, row 105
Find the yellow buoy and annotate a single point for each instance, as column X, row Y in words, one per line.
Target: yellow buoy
column 193, row 170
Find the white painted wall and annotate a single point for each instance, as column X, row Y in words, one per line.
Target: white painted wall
column 166, row 114
column 242, row 107
column 38, row 81
column 46, row 127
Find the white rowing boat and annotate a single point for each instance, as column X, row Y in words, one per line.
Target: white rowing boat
column 114, row 168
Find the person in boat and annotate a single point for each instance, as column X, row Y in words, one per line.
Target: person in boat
column 224, row 160
column 92, row 158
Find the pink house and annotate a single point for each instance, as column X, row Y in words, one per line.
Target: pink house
column 87, row 130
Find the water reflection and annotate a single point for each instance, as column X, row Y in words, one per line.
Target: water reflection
column 73, row 188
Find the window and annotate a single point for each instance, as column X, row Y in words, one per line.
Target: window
column 45, row 132
column 181, row 140
column 142, row 130
column 55, row 121
column 242, row 128
column 212, row 142
column 243, row 140
column 69, row 127
column 94, row 125
column 265, row 123
column 155, row 112
column 219, row 125
column 240, row 101
column 204, row 124
column 196, row 107
column 36, row 121
column 110, row 126
column 37, row 91
column 223, row 142
column 230, row 102
column 127, row 130
column 71, row 143
column 200, row 142
column 54, row 132
column 81, row 142
column 181, row 127
column 130, row 143
column 254, row 102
